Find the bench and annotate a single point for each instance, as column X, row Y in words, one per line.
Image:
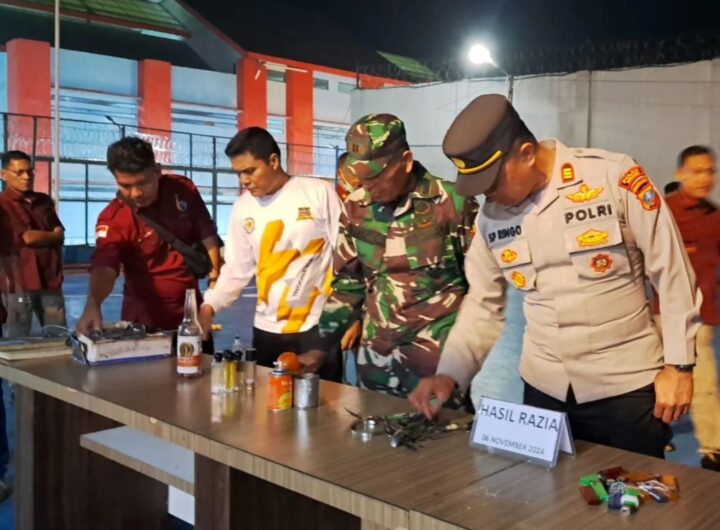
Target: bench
column 163, row 461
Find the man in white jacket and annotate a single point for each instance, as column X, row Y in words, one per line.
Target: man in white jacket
column 282, row 231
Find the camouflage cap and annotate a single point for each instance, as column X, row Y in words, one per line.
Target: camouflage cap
column 346, row 178
column 372, row 142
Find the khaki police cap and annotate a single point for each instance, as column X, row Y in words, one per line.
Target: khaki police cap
column 479, row 139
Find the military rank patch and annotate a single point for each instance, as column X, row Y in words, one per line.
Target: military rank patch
column 601, row 263
column 249, row 225
column 592, row 238
column 636, row 182
column 304, row 214
column 518, row 279
column 508, row 255
column 101, row 231
column 584, row 194
column 567, row 173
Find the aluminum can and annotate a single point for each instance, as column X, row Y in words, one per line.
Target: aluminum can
column 306, row 391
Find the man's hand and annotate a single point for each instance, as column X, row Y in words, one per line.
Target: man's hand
column 43, row 238
column 90, row 320
column 439, row 387
column 673, row 394
column 205, row 317
column 351, row 336
column 311, row 361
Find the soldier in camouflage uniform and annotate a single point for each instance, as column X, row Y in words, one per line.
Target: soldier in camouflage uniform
column 398, row 260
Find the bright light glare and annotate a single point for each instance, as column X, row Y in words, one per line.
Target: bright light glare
column 479, row 54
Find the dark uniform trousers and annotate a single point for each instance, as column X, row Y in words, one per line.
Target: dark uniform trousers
column 625, row 421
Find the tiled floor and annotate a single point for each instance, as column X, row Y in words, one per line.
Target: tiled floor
column 499, row 377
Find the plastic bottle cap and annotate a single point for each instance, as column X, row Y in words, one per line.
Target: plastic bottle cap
column 218, row 357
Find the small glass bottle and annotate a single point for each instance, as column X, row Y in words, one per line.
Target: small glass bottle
column 237, row 346
column 189, row 340
column 229, row 371
column 239, row 375
column 249, row 367
column 217, row 379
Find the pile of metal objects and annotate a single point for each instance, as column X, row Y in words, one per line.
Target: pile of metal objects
column 405, row 429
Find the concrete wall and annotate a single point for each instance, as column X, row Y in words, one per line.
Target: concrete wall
column 97, row 73
column 649, row 113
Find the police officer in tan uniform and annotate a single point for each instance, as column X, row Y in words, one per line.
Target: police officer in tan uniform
column 576, row 230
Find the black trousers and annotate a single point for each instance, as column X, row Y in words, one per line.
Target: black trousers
column 625, row 421
column 268, row 347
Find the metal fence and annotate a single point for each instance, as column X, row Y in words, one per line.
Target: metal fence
column 86, row 185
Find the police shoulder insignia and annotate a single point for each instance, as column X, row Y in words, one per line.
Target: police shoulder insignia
column 508, row 255
column 518, row 279
column 249, row 225
column 631, row 177
column 304, row 214
column 592, row 238
column 601, row 263
column 636, row 182
column 567, row 172
column 649, row 197
column 584, row 194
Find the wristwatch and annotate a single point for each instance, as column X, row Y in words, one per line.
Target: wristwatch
column 683, row 368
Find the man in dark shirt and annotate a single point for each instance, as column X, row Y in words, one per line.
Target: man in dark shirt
column 699, row 222
column 156, row 275
column 33, row 250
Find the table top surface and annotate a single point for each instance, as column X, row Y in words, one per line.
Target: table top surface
column 445, row 481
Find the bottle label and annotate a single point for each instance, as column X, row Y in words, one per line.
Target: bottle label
column 188, row 355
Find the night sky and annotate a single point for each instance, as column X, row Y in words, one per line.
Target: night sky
column 340, row 33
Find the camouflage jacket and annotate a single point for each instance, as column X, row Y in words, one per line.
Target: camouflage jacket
column 403, row 268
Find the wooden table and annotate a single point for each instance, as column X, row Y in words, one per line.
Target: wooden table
column 293, row 469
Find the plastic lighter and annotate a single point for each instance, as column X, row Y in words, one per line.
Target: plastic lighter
column 594, row 482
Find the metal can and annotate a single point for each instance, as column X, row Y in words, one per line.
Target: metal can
column 280, row 390
column 306, row 391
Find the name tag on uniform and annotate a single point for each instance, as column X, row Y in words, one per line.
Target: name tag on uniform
column 521, row 432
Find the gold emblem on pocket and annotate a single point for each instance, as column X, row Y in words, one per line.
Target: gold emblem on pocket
column 592, row 238
column 518, row 279
column 508, row 255
column 601, row 263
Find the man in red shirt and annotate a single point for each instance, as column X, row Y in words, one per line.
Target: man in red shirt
column 156, row 275
column 699, row 222
column 33, row 250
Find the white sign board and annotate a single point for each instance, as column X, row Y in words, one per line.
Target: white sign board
column 521, row 431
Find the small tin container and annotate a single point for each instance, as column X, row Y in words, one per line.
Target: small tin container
column 280, row 389
column 306, row 391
